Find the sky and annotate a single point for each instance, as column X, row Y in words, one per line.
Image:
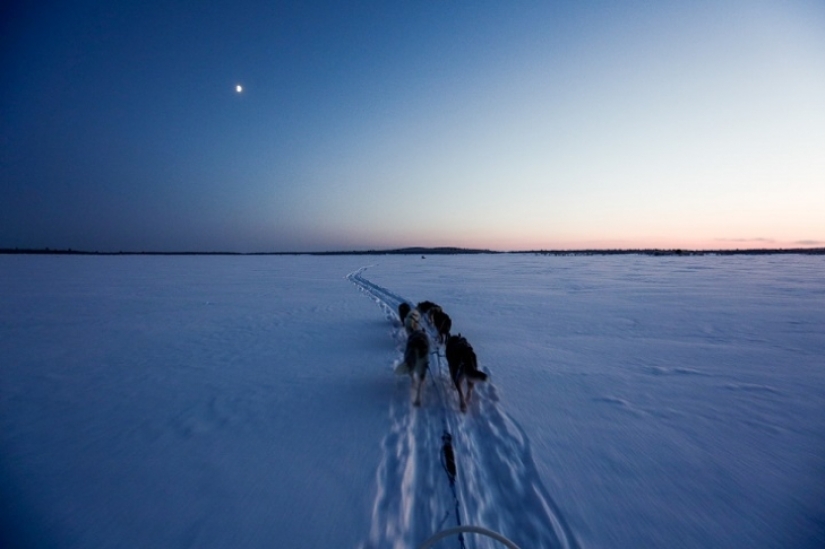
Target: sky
column 371, row 125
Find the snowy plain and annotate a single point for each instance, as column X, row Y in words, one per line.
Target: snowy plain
column 250, row 401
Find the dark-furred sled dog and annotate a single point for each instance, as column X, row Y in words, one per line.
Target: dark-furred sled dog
column 442, row 323
column 439, row 320
column 427, row 307
column 403, row 311
column 416, row 362
column 463, row 367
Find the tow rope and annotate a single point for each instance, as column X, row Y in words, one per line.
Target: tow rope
column 449, row 466
column 448, row 453
column 449, row 456
column 448, row 461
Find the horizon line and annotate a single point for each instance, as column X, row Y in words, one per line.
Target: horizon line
column 443, row 250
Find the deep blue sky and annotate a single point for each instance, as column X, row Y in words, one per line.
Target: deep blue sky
column 508, row 125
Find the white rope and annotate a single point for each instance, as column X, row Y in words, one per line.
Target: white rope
column 468, row 528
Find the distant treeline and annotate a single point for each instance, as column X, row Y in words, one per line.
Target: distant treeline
column 678, row 252
column 399, row 251
column 446, row 251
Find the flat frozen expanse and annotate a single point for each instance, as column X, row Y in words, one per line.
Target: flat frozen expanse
column 225, row 401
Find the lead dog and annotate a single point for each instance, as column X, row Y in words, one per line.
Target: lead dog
column 416, row 362
column 437, row 317
column 427, row 307
column 463, row 367
column 442, row 323
column 403, row 311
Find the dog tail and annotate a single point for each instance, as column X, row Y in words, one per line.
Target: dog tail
column 477, row 375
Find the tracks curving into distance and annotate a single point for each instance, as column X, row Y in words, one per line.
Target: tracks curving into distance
column 497, row 485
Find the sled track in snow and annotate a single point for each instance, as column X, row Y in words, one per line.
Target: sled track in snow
column 497, row 484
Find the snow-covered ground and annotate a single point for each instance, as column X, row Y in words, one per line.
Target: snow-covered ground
column 250, row 401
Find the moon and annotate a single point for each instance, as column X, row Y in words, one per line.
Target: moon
column 238, row 88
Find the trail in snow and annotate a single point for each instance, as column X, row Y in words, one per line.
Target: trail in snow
column 497, row 485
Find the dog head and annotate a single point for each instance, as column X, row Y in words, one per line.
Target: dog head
column 442, row 322
column 427, row 306
column 403, row 311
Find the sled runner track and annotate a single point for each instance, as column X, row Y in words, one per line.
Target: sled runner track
column 379, row 294
column 496, row 484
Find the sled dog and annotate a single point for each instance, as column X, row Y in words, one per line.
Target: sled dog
column 426, row 306
column 403, row 311
column 416, row 362
column 412, row 322
column 463, row 367
column 442, row 323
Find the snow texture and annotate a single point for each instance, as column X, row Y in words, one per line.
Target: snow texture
column 250, row 401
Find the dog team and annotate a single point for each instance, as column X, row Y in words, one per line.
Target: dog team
column 460, row 355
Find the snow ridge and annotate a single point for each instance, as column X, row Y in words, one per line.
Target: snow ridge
column 497, row 484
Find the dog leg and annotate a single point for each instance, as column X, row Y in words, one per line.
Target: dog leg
column 412, row 386
column 457, row 383
column 417, row 401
